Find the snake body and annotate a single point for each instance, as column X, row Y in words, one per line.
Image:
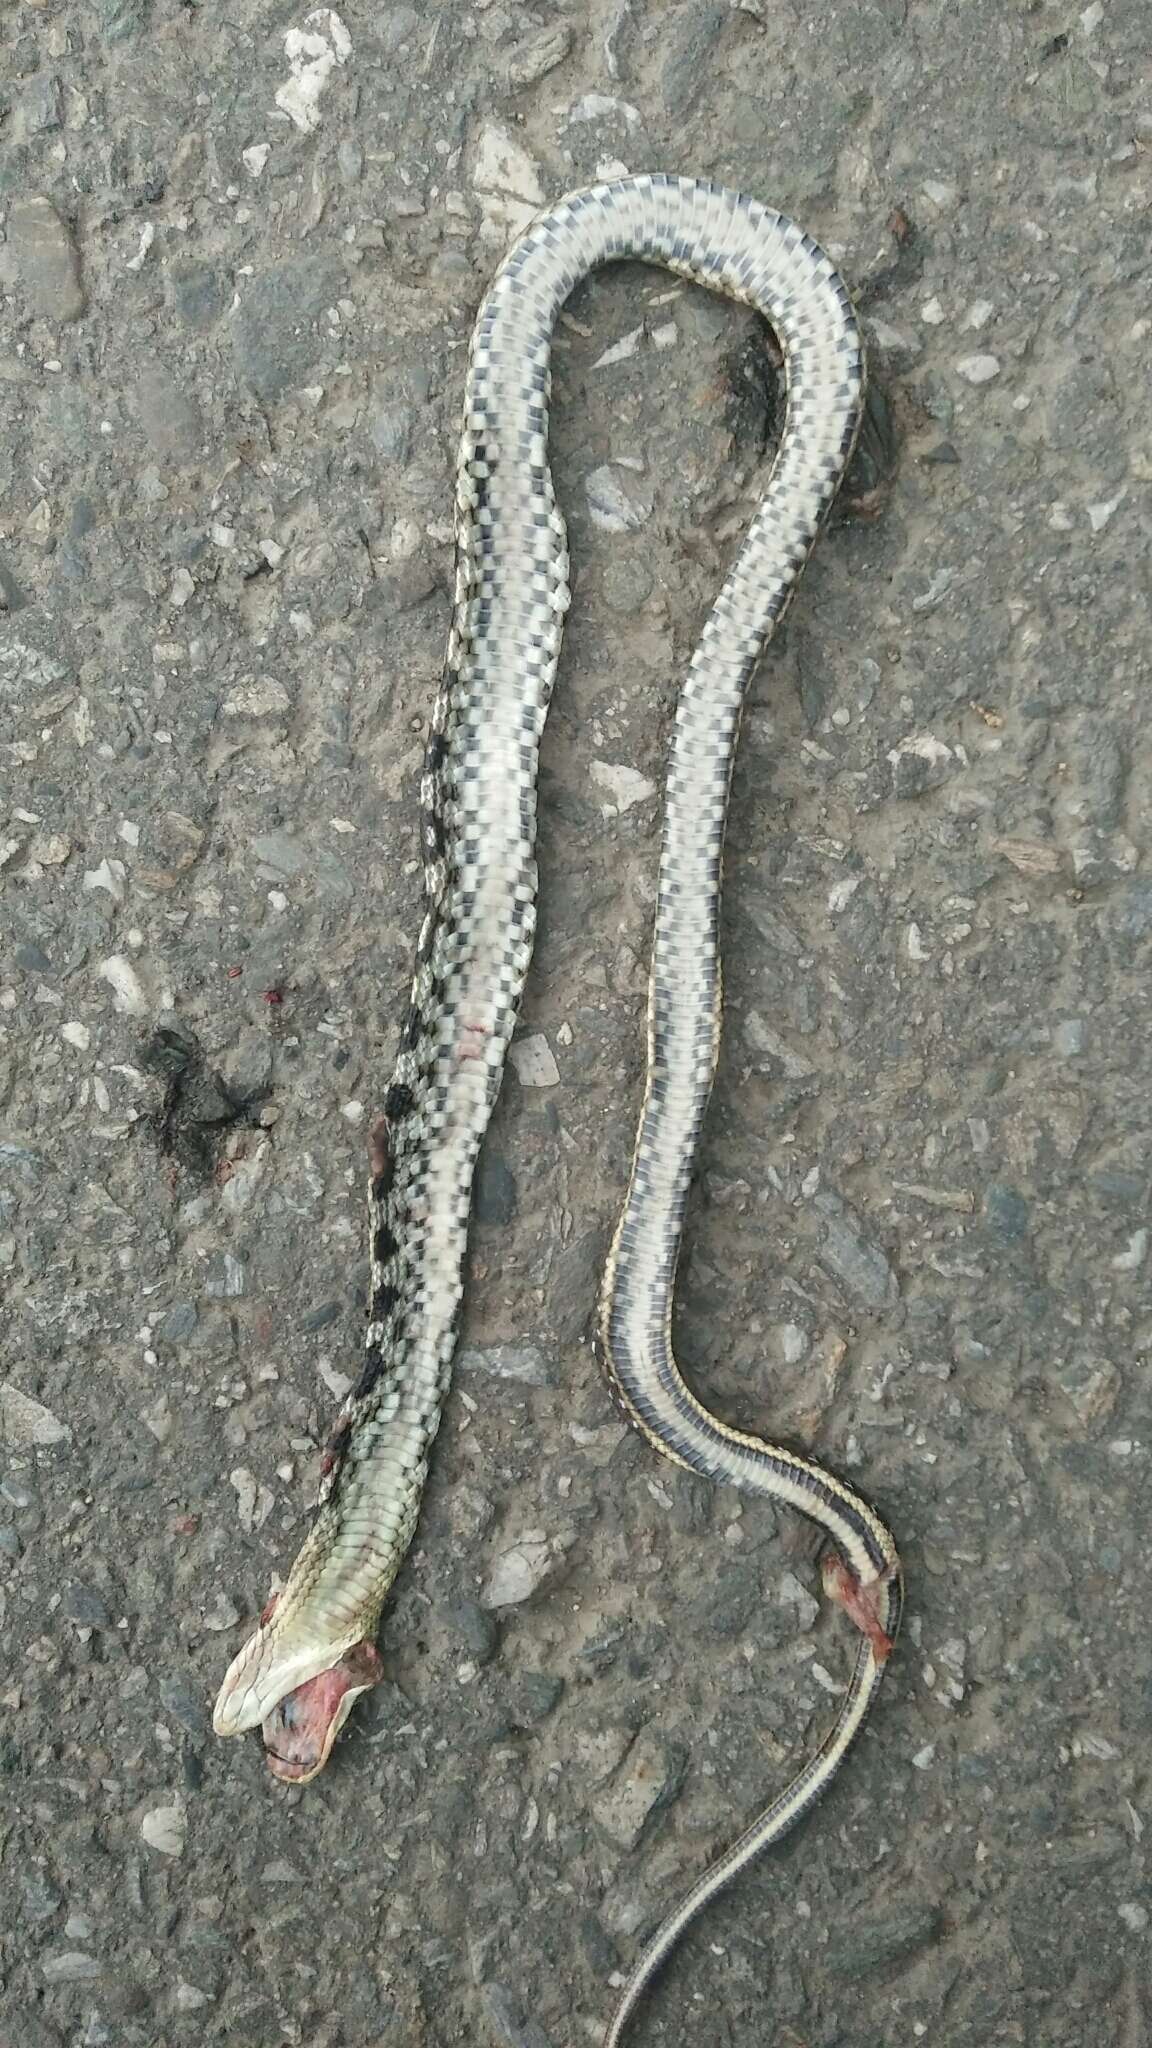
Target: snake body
column 313, row 1651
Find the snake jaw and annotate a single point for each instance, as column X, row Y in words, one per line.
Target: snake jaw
column 302, row 1727
column 271, row 1672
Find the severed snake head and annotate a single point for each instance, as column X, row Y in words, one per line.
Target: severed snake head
column 300, row 1730
column 297, row 1692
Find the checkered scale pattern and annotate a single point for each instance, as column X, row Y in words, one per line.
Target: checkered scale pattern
column 479, row 829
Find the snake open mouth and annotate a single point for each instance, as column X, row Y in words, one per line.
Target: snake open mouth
column 302, row 1727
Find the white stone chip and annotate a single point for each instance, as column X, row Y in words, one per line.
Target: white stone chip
column 619, row 351
column 127, row 989
column 254, row 1503
column 842, row 892
column 609, row 506
column 978, row 369
column 599, row 106
column 1100, row 514
column 110, row 876
column 24, row 1422
column 508, row 181
column 313, row 53
column 517, row 1573
column 164, row 1828
column 76, row 1034
column 534, row 1063
column 626, row 786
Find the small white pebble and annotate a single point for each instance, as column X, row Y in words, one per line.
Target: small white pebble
column 164, row 1828
column 534, row 1062
column 609, row 506
column 128, row 832
column 256, row 157
column 916, row 947
column 77, row 1035
column 925, row 1757
column 1134, row 1916
column 1100, row 514
column 127, row 990
column 932, row 313
column 619, row 351
column 147, row 237
column 824, row 1678
column 626, row 786
column 182, row 589
column 109, row 875
column 979, row 313
column 978, row 369
column 353, row 1112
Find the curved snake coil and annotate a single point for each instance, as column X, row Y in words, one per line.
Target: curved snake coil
column 313, row 1652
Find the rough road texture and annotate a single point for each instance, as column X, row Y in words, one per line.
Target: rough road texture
column 237, row 277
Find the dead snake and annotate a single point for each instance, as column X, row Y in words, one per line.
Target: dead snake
column 314, row 1652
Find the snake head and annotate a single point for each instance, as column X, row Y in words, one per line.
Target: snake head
column 298, row 1691
column 300, row 1730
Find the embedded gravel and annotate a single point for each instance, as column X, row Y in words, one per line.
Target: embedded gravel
column 241, row 251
